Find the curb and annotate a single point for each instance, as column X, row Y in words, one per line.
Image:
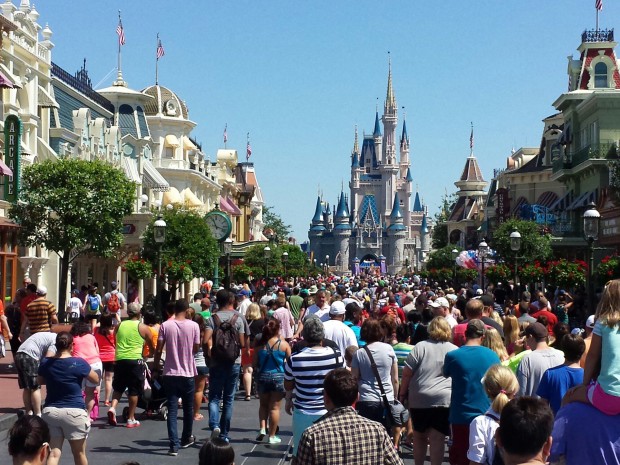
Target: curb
column 7, row 420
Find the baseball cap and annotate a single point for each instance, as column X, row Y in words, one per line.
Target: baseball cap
column 439, row 302
column 244, row 292
column 536, row 330
column 479, row 292
column 475, row 329
column 337, row 308
column 590, row 322
column 42, row 290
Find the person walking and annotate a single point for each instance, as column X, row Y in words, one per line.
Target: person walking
column 85, row 346
column 269, row 357
column 336, row 330
column 283, row 315
column 200, row 380
column 40, row 314
column 106, row 340
column 255, row 323
column 114, row 302
column 129, row 365
column 181, row 338
column 225, row 336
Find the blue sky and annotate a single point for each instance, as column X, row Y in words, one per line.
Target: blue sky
column 298, row 76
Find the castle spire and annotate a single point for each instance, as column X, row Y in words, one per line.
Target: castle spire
column 404, row 138
column 356, row 145
column 318, row 212
column 377, row 131
column 390, row 100
column 342, row 213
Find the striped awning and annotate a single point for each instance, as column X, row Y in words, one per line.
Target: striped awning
column 583, row 200
column 153, row 179
column 516, row 211
column 10, row 76
column 547, row 199
column 228, row 205
column 5, row 82
column 563, row 202
column 131, row 170
column 5, row 170
column 46, row 99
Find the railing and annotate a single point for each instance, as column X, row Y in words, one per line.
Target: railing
column 82, row 87
column 598, row 35
column 595, row 151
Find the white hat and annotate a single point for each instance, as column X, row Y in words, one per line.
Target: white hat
column 479, row 292
column 337, row 308
column 42, row 290
column 439, row 302
column 590, row 322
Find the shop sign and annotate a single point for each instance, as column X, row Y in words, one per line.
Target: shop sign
column 12, row 154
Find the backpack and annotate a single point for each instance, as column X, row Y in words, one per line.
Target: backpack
column 226, row 347
column 93, row 303
column 113, row 303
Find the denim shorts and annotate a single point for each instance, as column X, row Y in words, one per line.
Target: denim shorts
column 270, row 382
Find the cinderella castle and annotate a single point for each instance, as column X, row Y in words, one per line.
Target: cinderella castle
column 375, row 227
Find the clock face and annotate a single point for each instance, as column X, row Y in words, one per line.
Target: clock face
column 219, row 224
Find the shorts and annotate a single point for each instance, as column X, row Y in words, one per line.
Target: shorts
column 67, row 423
column 270, row 382
column 97, row 367
column 27, row 371
column 92, row 316
column 604, row 402
column 202, row 370
column 108, row 367
column 434, row 417
column 129, row 374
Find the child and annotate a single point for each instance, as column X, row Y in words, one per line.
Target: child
column 216, row 452
column 501, row 385
column 348, row 355
column 604, row 393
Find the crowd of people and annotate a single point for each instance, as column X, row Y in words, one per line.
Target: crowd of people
column 366, row 366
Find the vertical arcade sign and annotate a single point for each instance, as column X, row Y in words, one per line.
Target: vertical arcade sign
column 503, row 204
column 12, row 153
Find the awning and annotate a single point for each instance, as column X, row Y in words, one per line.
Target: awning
column 10, row 76
column 5, row 82
column 583, row 200
column 131, row 170
column 190, row 198
column 188, row 144
column 563, row 202
column 46, row 99
column 547, row 199
column 228, row 205
column 171, row 141
column 153, row 179
column 44, row 151
column 172, row 196
column 517, row 208
column 5, row 170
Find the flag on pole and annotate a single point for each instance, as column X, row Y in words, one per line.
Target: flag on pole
column 599, row 5
column 226, row 133
column 160, row 49
column 120, row 31
column 248, row 149
column 471, row 138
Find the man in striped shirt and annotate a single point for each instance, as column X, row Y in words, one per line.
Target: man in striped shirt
column 304, row 373
column 40, row 314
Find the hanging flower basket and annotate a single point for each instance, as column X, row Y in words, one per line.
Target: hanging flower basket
column 609, row 268
column 180, row 272
column 138, row 268
column 532, row 272
column 565, row 273
column 498, row 273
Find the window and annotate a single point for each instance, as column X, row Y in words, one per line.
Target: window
column 600, row 75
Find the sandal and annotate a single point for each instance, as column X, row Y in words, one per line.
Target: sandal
column 198, row 417
column 247, row 398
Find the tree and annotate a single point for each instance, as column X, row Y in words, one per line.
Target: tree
column 274, row 221
column 440, row 231
column 297, row 264
column 190, row 251
column 73, row 207
column 535, row 244
column 441, row 258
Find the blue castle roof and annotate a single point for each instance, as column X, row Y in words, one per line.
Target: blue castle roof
column 342, row 213
column 318, row 212
column 396, row 217
column 377, row 131
column 355, row 163
column 424, row 226
column 404, row 136
column 417, row 205
column 368, row 151
column 409, row 178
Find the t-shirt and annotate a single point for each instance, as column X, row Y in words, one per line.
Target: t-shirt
column 241, row 325
column 585, row 435
column 295, row 302
column 402, row 351
column 357, row 331
column 39, row 344
column 340, row 333
column 533, row 367
column 283, row 315
column 428, row 386
column 75, row 307
column 321, row 313
column 384, row 357
column 63, row 378
column 86, row 347
column 39, row 313
column 552, row 320
column 308, row 369
column 555, row 382
column 458, row 332
column 243, row 306
column 466, row 366
column 609, row 378
column 482, row 437
column 180, row 337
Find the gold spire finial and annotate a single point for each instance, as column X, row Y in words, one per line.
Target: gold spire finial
column 356, row 147
column 390, row 100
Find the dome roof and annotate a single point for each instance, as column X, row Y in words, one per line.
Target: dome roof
column 165, row 102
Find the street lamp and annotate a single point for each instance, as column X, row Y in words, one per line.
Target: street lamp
column 591, row 220
column 326, row 264
column 515, row 246
column 455, row 254
column 159, row 236
column 285, row 262
column 227, row 248
column 483, row 250
column 267, row 253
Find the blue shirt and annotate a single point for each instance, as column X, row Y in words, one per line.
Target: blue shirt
column 609, row 379
column 63, row 378
column 555, row 382
column 271, row 359
column 357, row 331
column 466, row 366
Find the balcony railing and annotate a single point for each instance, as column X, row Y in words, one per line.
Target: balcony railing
column 595, row 151
column 598, row 35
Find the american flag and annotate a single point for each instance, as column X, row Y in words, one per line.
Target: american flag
column 226, row 133
column 121, row 32
column 599, row 5
column 471, row 138
column 160, row 49
column 248, row 151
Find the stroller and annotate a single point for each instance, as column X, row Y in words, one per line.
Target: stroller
column 153, row 399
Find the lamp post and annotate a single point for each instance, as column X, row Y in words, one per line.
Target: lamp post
column 285, row 262
column 326, row 264
column 267, row 253
column 591, row 220
column 515, row 246
column 483, row 250
column 455, row 254
column 159, row 236
column 227, row 249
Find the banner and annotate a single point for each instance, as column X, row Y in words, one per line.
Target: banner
column 12, row 154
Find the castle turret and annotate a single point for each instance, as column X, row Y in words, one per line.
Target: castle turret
column 390, row 120
column 424, row 235
column 404, row 148
column 378, row 138
column 342, row 234
column 397, row 233
column 317, row 229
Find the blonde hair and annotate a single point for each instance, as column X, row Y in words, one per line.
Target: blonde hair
column 500, row 384
column 498, row 319
column 511, row 329
column 439, row 330
column 493, row 341
column 253, row 312
column 608, row 310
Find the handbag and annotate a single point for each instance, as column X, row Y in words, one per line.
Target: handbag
column 398, row 413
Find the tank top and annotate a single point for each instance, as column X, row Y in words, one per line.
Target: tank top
column 271, row 358
column 129, row 341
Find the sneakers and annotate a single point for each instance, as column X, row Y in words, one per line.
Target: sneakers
column 189, row 442
column 173, row 452
column 112, row 417
column 132, row 423
column 274, row 440
column 216, row 432
column 226, row 439
column 261, row 435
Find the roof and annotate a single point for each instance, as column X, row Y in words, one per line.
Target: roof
column 471, row 171
column 368, row 209
column 377, row 131
column 355, row 162
column 417, row 205
column 342, row 212
column 318, row 212
column 396, row 213
column 159, row 105
column 532, row 166
column 424, row 226
column 404, row 137
column 368, row 151
column 409, row 178
column 463, row 209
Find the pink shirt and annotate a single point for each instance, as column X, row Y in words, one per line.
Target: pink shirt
column 179, row 337
column 283, row 315
column 107, row 346
column 86, row 347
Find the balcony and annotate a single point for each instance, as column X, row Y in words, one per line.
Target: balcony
column 598, row 35
column 600, row 151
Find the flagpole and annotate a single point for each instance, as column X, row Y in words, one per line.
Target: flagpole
column 120, row 72
column 597, row 10
column 157, row 60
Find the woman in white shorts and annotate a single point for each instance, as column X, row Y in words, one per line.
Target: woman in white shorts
column 85, row 346
column 64, row 410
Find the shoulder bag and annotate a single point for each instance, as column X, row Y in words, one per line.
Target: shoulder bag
column 398, row 413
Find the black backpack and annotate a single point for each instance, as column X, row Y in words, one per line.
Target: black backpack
column 226, row 347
